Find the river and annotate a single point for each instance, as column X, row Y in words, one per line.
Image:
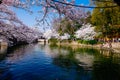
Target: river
column 51, row 62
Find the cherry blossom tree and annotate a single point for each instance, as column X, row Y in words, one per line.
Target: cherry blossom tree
column 12, row 30
column 67, row 8
column 51, row 34
column 86, row 32
column 60, row 6
column 65, row 36
column 15, row 35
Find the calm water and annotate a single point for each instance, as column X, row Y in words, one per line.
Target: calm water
column 43, row 62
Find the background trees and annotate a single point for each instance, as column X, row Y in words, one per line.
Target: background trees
column 66, row 26
column 106, row 20
column 71, row 24
column 71, row 16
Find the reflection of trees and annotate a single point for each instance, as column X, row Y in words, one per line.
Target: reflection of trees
column 74, row 57
column 3, row 52
column 3, row 49
column 17, row 53
column 106, row 68
column 70, row 64
column 109, row 53
column 82, row 57
column 14, row 54
column 78, row 61
column 65, row 61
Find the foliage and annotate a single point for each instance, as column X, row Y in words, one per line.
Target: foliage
column 66, row 41
column 53, row 41
column 106, row 19
column 92, row 42
column 72, row 37
column 69, row 25
column 88, row 18
column 66, row 26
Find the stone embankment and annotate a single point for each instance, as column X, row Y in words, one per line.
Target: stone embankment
column 115, row 46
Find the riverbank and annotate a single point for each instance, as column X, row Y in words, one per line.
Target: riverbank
column 115, row 46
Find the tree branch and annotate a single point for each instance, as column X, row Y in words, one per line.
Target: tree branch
column 83, row 6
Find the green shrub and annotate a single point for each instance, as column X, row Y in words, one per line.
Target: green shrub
column 85, row 42
column 92, row 42
column 53, row 40
column 80, row 41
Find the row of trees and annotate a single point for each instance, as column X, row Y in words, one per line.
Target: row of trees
column 105, row 16
column 105, row 20
column 70, row 26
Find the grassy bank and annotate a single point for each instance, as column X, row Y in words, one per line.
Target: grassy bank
column 88, row 44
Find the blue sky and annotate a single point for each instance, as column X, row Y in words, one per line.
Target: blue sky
column 29, row 19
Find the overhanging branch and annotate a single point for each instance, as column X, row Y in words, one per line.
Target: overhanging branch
column 83, row 6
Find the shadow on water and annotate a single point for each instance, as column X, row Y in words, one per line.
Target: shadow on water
column 4, row 72
column 91, row 63
column 9, row 56
column 78, row 61
column 3, row 51
column 107, row 66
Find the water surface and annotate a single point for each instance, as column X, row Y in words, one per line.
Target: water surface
column 44, row 62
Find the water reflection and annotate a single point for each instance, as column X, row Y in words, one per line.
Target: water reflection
column 17, row 53
column 107, row 66
column 3, row 49
column 104, row 64
column 80, row 57
column 52, row 62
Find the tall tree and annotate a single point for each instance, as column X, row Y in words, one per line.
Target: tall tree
column 65, row 26
column 106, row 19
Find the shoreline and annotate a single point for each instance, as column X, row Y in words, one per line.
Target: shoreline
column 115, row 46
